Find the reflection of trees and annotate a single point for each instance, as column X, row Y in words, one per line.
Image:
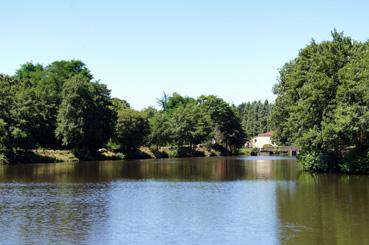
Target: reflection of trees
column 208, row 169
column 188, row 169
column 59, row 172
column 324, row 209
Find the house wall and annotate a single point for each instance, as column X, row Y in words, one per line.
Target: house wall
column 260, row 141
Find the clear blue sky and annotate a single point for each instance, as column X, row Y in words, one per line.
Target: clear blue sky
column 229, row 48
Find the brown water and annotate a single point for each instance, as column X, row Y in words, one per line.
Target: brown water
column 230, row 200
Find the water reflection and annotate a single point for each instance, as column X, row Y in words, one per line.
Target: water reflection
column 187, row 169
column 221, row 200
column 324, row 209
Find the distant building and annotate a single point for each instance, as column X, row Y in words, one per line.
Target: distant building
column 261, row 140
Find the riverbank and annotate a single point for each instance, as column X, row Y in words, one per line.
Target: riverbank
column 55, row 156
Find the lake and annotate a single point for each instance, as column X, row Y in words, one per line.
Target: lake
column 217, row 200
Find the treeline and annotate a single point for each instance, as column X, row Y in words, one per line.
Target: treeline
column 56, row 106
column 255, row 117
column 323, row 105
column 189, row 121
column 61, row 106
column 180, row 122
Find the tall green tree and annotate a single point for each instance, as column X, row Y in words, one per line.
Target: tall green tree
column 18, row 115
column 119, row 104
column 170, row 103
column 60, row 71
column 255, row 117
column 86, row 118
column 190, row 125
column 351, row 114
column 39, row 97
column 7, row 93
column 160, row 130
column 226, row 124
column 321, row 101
column 33, row 107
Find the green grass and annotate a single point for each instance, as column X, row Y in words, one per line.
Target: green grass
column 51, row 156
column 48, row 155
column 245, row 151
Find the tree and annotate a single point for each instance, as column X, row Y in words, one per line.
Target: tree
column 119, row 104
column 31, row 108
column 131, row 129
column 162, row 102
column 150, row 111
column 225, row 123
column 255, row 117
column 322, row 96
column 60, row 71
column 3, row 139
column 351, row 114
column 11, row 133
column 38, row 99
column 190, row 125
column 18, row 116
column 160, row 134
column 170, row 103
column 85, row 118
column 7, row 92
column 31, row 73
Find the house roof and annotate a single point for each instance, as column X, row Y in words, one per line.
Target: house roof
column 267, row 134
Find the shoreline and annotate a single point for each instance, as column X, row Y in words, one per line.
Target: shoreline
column 50, row 156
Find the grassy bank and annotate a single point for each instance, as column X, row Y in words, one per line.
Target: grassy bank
column 53, row 156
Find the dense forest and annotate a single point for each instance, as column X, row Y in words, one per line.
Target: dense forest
column 322, row 105
column 255, row 117
column 61, row 106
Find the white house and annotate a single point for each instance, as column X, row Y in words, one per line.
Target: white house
column 261, row 140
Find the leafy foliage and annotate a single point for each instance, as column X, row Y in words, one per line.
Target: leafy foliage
column 226, row 124
column 60, row 106
column 160, row 134
column 322, row 103
column 119, row 104
column 186, row 121
column 10, row 129
column 38, row 99
column 131, row 129
column 190, row 125
column 85, row 119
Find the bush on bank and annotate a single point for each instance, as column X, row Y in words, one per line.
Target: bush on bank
column 355, row 162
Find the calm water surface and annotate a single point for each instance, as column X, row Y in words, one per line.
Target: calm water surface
column 225, row 200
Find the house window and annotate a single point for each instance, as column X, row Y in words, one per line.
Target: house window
column 255, row 140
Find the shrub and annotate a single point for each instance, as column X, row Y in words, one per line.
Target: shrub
column 355, row 162
column 317, row 162
column 3, row 159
